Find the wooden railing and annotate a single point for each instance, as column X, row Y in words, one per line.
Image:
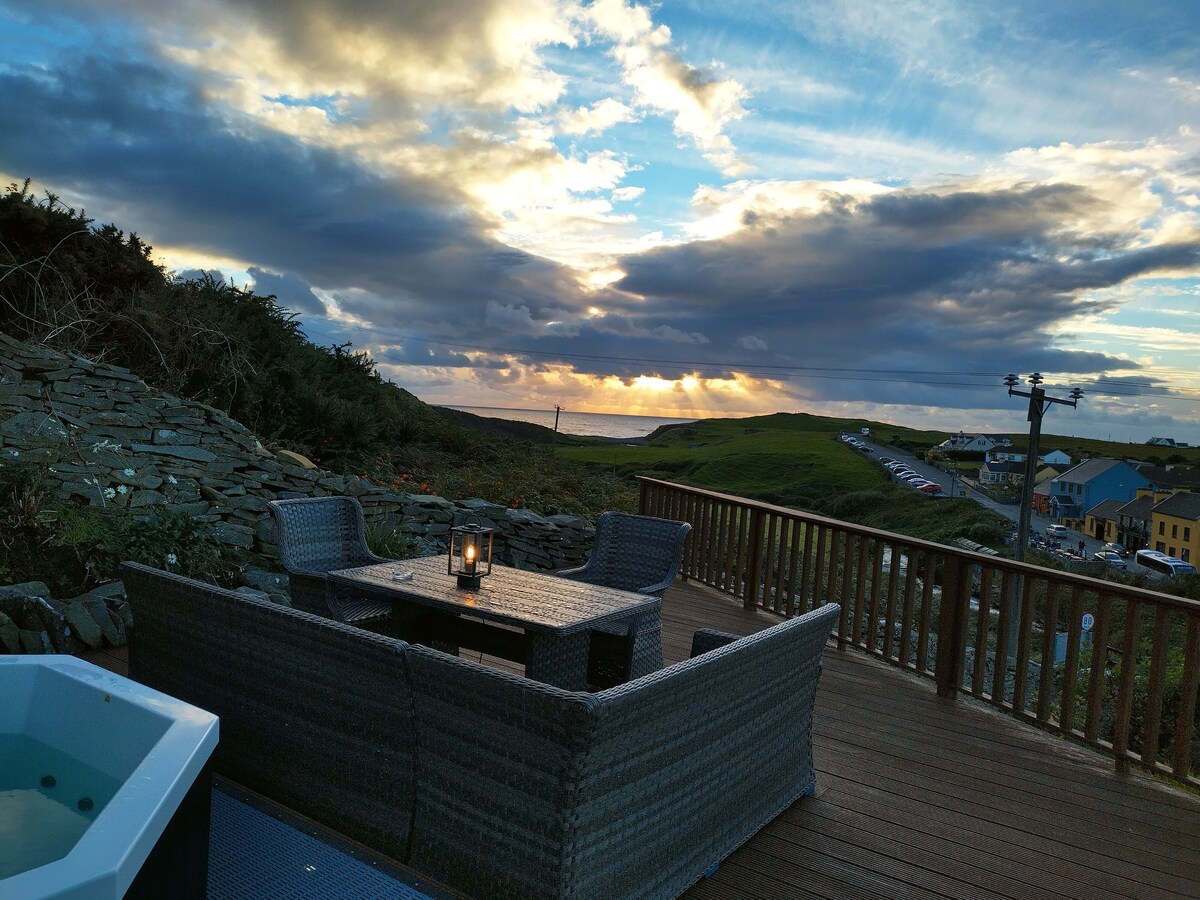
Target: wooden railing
column 1113, row 666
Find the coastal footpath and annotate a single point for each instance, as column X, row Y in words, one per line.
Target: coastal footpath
column 107, row 439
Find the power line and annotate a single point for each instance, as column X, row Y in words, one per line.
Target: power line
column 789, row 372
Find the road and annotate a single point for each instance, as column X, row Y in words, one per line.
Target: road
column 1010, row 511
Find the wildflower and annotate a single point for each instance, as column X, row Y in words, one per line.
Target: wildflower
column 129, row 473
column 172, row 559
column 16, row 453
column 109, row 493
column 121, row 489
column 171, row 479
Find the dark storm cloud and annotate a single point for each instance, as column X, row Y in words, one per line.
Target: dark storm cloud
column 137, row 137
column 291, row 291
column 971, row 281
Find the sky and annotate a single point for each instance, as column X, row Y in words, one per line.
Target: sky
column 871, row 208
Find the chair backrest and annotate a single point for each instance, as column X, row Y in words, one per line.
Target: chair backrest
column 314, row 714
column 633, row 552
column 320, row 534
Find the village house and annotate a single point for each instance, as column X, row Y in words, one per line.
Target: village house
column 974, row 443
column 1102, row 521
column 1002, row 472
column 1175, row 525
column 1086, row 485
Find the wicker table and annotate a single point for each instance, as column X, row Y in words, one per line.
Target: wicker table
column 540, row 620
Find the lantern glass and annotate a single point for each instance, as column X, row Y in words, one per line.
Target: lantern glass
column 470, row 553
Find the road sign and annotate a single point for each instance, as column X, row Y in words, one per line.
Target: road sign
column 1087, row 622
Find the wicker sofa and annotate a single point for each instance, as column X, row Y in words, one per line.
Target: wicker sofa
column 314, row 714
column 497, row 785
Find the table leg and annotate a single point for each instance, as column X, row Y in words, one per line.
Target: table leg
column 560, row 660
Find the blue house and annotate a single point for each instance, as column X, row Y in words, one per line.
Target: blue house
column 1090, row 483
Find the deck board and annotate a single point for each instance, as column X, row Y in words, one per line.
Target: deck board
column 921, row 796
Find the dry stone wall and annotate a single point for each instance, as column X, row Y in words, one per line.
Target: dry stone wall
column 108, row 439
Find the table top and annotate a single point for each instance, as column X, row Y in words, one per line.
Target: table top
column 534, row 601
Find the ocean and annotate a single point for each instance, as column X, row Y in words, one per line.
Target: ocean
column 588, row 424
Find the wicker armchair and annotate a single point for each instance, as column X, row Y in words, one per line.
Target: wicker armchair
column 316, row 536
column 633, row 553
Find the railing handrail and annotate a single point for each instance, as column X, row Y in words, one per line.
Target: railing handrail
column 1144, row 595
column 1038, row 643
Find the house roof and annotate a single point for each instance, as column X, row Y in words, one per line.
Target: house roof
column 1106, row 509
column 1087, row 470
column 1172, row 478
column 1138, row 508
column 1184, row 505
column 1005, row 467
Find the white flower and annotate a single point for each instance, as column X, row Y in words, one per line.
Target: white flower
column 172, row 559
column 109, row 493
column 121, row 489
column 129, row 473
column 171, row 479
column 16, row 453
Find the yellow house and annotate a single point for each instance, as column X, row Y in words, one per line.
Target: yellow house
column 1101, row 520
column 1175, row 526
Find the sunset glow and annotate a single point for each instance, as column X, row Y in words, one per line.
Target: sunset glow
column 703, row 209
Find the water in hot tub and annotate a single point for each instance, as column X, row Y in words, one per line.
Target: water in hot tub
column 47, row 801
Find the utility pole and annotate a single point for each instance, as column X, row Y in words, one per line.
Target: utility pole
column 1039, row 402
column 554, row 438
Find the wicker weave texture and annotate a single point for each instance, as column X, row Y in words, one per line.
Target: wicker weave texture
column 524, row 790
column 314, row 714
column 633, row 553
column 317, row 535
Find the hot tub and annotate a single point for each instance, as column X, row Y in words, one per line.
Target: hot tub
column 94, row 770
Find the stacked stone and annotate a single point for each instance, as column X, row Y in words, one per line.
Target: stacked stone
column 31, row 621
column 107, row 439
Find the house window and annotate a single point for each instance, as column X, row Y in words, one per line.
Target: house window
column 1162, row 527
column 1187, row 533
column 1171, row 551
column 1174, row 530
column 1160, row 546
column 1186, row 555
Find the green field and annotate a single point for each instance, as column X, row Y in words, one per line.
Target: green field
column 796, row 460
column 783, row 458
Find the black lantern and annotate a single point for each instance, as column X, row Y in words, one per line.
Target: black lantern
column 470, row 553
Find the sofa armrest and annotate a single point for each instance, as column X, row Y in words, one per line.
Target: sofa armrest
column 706, row 639
column 575, row 574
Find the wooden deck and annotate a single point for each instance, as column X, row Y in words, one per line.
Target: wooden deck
column 919, row 796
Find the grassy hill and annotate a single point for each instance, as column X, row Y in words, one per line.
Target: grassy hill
column 795, row 460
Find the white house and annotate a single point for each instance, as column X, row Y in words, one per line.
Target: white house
column 979, row 443
column 1054, row 458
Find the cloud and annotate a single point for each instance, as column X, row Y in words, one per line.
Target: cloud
column 291, row 291
column 702, row 104
column 599, row 117
column 951, row 277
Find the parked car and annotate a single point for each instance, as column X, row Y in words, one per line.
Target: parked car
column 1110, row 558
column 884, row 460
column 1113, row 547
column 1058, row 532
column 863, row 447
column 931, row 488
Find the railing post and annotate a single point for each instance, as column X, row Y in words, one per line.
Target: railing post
column 643, row 497
column 754, row 559
column 952, row 626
